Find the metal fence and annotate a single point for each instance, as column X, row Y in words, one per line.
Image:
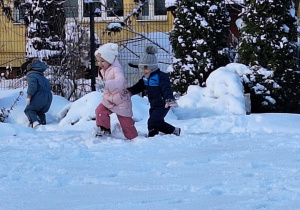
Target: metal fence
column 141, row 31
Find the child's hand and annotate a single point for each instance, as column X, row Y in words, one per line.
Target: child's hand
column 97, row 87
column 100, row 86
column 127, row 92
column 28, row 100
column 171, row 103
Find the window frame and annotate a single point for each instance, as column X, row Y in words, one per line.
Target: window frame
column 152, row 16
column 71, row 6
column 101, row 18
column 18, row 14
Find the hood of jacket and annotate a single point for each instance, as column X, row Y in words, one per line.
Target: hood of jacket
column 39, row 66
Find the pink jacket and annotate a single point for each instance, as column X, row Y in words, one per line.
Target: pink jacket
column 115, row 96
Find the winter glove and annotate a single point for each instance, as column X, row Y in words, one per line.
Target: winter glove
column 100, row 87
column 127, row 92
column 171, row 103
column 97, row 87
column 28, row 100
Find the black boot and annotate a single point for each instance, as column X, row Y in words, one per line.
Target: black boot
column 101, row 131
column 152, row 133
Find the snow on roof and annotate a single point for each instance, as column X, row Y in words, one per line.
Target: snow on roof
column 234, row 1
column 170, row 3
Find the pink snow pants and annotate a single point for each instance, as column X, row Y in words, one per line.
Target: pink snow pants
column 127, row 123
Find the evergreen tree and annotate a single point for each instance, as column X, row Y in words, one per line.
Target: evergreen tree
column 45, row 21
column 199, row 41
column 268, row 41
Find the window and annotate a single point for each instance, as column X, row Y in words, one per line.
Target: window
column 154, row 10
column 159, row 8
column 71, row 8
column 114, row 8
column 97, row 6
column 105, row 9
column 19, row 12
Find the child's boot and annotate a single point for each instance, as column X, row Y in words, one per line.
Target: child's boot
column 177, row 131
column 101, row 131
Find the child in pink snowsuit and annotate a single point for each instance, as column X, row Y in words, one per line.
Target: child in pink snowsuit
column 115, row 98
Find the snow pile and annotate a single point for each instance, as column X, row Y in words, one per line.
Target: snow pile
column 223, row 95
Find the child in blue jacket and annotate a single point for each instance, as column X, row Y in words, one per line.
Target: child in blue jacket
column 159, row 92
column 39, row 96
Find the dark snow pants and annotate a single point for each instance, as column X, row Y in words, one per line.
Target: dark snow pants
column 156, row 122
column 35, row 113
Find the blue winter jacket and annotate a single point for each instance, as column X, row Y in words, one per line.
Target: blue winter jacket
column 39, row 87
column 157, row 86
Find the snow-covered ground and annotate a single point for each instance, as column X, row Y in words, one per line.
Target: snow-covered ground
column 223, row 160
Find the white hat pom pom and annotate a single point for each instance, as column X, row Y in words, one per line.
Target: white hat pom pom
column 114, row 46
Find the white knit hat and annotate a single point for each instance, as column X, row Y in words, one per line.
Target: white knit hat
column 108, row 52
column 149, row 58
